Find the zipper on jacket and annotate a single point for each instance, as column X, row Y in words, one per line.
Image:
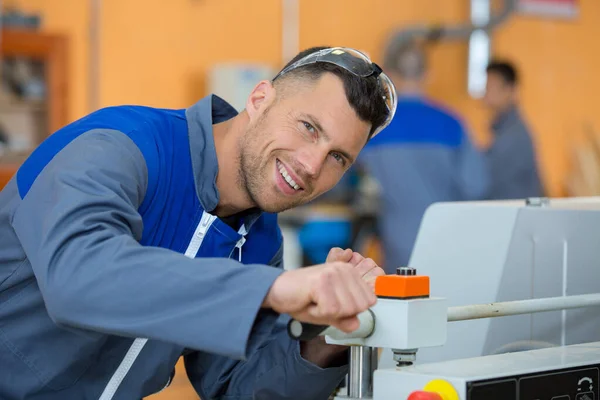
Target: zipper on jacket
column 115, row 381
column 139, row 343
column 242, row 231
column 201, row 230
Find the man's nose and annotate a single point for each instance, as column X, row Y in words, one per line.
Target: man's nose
column 312, row 160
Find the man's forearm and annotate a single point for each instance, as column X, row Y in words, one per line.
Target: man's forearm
column 324, row 355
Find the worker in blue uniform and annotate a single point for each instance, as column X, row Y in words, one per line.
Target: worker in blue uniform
column 511, row 156
column 136, row 235
column 424, row 157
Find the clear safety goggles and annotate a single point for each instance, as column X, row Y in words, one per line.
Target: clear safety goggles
column 358, row 64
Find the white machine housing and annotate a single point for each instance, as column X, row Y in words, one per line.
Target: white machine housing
column 536, row 374
column 484, row 252
column 404, row 324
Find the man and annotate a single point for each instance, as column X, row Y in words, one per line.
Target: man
column 136, row 235
column 425, row 156
column 511, row 157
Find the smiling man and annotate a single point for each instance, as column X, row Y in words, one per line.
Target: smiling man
column 137, row 235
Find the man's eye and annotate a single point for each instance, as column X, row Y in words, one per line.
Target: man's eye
column 309, row 127
column 339, row 158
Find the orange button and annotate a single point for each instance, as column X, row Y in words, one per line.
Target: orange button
column 402, row 286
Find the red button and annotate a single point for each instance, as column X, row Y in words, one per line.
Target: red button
column 421, row 395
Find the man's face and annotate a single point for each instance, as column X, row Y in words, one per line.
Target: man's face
column 499, row 95
column 300, row 146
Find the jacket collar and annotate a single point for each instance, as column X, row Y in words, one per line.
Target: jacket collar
column 200, row 118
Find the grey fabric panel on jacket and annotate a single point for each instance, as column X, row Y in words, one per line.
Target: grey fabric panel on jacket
column 79, row 224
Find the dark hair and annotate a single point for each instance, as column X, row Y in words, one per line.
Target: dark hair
column 506, row 70
column 365, row 95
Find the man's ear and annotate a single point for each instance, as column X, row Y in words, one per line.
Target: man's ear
column 261, row 97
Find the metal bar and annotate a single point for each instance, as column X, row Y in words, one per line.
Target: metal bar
column 363, row 362
column 366, row 327
column 303, row 331
column 477, row 311
column 451, row 32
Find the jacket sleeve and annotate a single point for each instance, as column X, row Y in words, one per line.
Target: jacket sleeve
column 80, row 228
column 276, row 371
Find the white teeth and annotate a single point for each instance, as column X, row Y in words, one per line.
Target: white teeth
column 287, row 177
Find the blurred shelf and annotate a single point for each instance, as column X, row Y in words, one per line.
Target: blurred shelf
column 13, row 158
column 51, row 114
column 23, row 105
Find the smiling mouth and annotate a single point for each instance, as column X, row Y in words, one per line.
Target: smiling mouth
column 286, row 176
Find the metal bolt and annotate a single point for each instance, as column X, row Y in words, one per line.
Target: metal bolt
column 405, row 358
column 537, row 202
column 406, row 271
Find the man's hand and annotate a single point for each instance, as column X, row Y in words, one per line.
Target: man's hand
column 317, row 350
column 327, row 294
column 333, row 293
column 366, row 267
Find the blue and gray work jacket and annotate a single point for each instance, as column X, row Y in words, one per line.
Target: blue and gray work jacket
column 112, row 267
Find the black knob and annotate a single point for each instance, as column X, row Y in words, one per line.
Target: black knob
column 406, row 271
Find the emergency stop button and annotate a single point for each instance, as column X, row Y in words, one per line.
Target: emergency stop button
column 422, row 395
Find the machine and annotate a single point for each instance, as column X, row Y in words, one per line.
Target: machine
column 496, row 251
column 559, row 373
column 532, row 264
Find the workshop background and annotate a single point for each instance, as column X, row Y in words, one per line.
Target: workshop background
column 62, row 59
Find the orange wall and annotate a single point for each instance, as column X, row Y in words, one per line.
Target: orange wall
column 144, row 64
column 166, row 66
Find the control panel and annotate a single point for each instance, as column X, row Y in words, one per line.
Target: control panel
column 566, row 384
column 555, row 373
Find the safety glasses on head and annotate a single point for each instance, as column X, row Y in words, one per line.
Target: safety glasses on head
column 358, row 64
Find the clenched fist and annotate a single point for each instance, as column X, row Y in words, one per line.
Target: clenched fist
column 333, row 294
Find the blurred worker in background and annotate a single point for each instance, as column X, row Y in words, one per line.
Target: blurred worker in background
column 425, row 156
column 137, row 235
column 511, row 156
